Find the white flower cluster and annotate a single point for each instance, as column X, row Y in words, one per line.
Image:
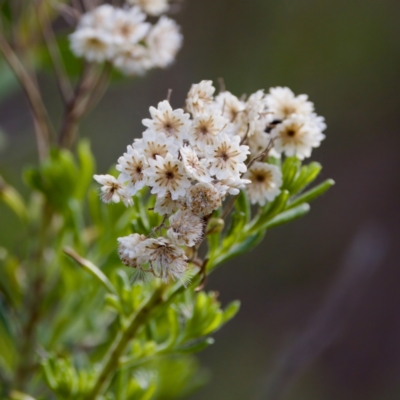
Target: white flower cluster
column 192, row 159
column 123, row 37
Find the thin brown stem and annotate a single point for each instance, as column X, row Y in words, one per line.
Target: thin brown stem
column 78, row 106
column 63, row 82
column 38, row 110
column 260, row 156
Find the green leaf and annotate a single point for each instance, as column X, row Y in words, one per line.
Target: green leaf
column 250, row 241
column 290, row 170
column 16, row 395
column 307, row 175
column 86, row 168
column 288, row 216
column 274, row 209
column 231, row 310
column 242, row 205
column 13, row 200
column 92, row 269
column 312, row 193
column 197, row 346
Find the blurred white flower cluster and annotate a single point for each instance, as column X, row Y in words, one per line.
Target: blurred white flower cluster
column 193, row 158
column 123, row 37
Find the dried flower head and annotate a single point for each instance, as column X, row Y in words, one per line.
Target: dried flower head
column 186, row 229
column 166, row 206
column 130, row 251
column 167, row 260
column 203, row 199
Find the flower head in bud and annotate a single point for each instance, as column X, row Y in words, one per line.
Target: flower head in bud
column 113, row 190
column 266, row 180
column 203, row 199
column 186, row 229
column 167, row 260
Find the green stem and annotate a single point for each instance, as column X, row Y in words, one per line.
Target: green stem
column 112, row 359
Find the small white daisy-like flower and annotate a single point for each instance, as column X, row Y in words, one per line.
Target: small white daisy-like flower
column 258, row 142
column 266, row 180
column 185, row 228
column 205, row 128
column 203, row 199
column 151, row 7
column 196, row 169
column 132, row 166
column 164, row 41
column 255, row 105
column 155, row 144
column 200, row 98
column 173, row 123
column 92, row 44
column 128, row 26
column 167, row 175
column 227, row 156
column 101, row 17
column 129, row 250
column 166, row 206
column 230, row 107
column 113, row 190
column 167, row 260
column 296, row 136
column 283, row 103
column 132, row 59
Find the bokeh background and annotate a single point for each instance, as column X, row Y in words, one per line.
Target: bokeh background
column 346, row 55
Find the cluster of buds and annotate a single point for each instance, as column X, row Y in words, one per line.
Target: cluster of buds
column 193, row 158
column 123, row 37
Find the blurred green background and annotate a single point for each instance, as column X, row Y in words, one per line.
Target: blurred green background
column 345, row 54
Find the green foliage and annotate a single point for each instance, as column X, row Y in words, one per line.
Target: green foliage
column 246, row 231
column 90, row 306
